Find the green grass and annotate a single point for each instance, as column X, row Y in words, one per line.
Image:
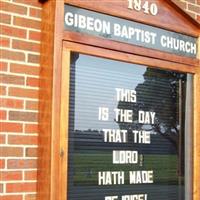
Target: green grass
column 87, row 166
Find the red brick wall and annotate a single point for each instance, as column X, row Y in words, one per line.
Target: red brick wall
column 20, row 26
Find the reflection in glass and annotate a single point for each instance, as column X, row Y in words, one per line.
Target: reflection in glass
column 93, row 84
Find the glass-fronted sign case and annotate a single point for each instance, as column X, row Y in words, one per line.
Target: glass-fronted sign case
column 115, row 123
column 126, row 131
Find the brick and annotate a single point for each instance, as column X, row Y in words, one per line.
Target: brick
column 1, row 187
column 33, row 35
column 2, row 90
column 20, row 187
column 28, row 23
column 12, row 197
column 192, row 1
column 31, row 128
column 30, row 175
column 20, row 92
column 12, row 79
column 23, row 116
column 5, row 42
column 4, row 18
column 2, row 164
column 32, row 105
column 11, row 175
column 2, row 139
column 22, row 140
column 22, row 164
column 12, row 55
column 29, row 46
column 13, row 8
column 33, row 82
column 31, row 152
column 11, row 151
column 10, row 127
column 194, row 8
column 24, row 69
column 30, row 197
column 3, row 114
column 11, row 31
column 3, row 66
column 33, row 58
column 30, row 3
column 36, row 13
column 11, row 103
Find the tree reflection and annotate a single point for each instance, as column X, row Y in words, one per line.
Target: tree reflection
column 162, row 92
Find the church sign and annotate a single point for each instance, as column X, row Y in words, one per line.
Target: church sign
column 120, row 107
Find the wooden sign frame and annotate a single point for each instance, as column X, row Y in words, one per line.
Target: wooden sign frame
column 54, row 84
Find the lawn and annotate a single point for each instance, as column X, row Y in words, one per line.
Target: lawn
column 86, row 165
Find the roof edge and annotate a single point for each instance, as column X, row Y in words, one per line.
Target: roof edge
column 185, row 14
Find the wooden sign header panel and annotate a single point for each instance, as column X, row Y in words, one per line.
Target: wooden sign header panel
column 117, row 29
column 160, row 13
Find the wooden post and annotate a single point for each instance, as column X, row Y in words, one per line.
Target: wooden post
column 64, row 123
column 196, row 139
column 50, row 91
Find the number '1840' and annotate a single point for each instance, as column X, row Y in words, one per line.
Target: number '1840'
column 146, row 6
